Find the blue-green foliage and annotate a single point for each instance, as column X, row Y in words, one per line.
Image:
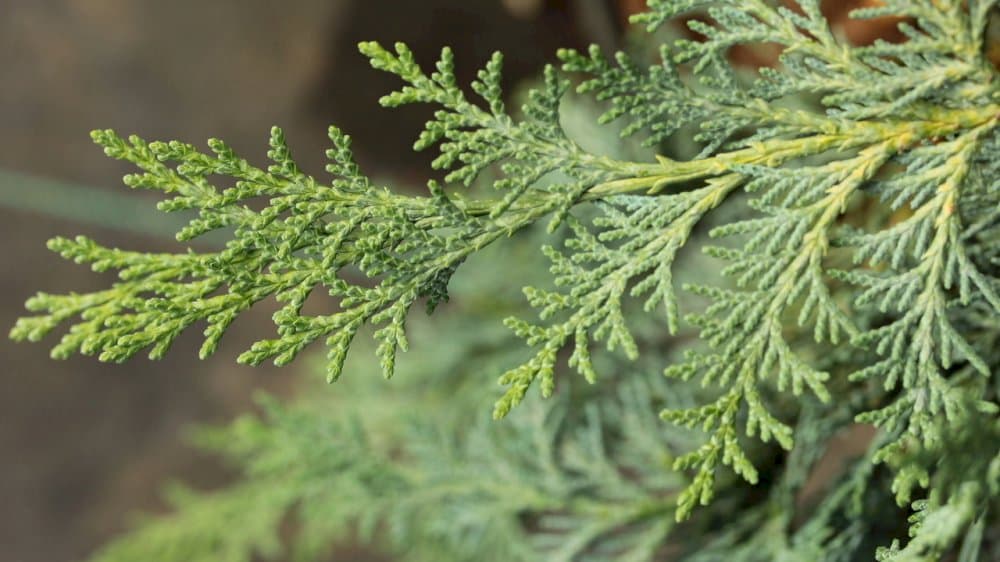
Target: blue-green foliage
column 860, row 283
column 426, row 475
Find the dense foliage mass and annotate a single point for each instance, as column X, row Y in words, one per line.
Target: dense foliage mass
column 854, row 193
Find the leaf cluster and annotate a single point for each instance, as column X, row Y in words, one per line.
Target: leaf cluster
column 862, row 269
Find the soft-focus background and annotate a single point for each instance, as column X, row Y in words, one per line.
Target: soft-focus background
column 84, row 446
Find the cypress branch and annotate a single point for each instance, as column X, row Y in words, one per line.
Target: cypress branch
column 859, row 278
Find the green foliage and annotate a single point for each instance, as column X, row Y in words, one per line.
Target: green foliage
column 312, row 235
column 426, row 475
column 540, row 488
column 855, row 190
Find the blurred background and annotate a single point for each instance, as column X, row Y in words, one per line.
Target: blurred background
column 84, row 446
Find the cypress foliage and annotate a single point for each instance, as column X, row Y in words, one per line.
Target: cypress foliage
column 852, row 194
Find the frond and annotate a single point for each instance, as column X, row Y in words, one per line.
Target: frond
column 887, row 153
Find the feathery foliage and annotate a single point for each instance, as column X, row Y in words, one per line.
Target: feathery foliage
column 857, row 189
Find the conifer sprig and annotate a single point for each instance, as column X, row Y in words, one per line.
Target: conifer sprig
column 542, row 487
column 895, row 163
column 309, row 232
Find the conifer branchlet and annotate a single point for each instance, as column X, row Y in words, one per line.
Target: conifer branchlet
column 864, row 259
